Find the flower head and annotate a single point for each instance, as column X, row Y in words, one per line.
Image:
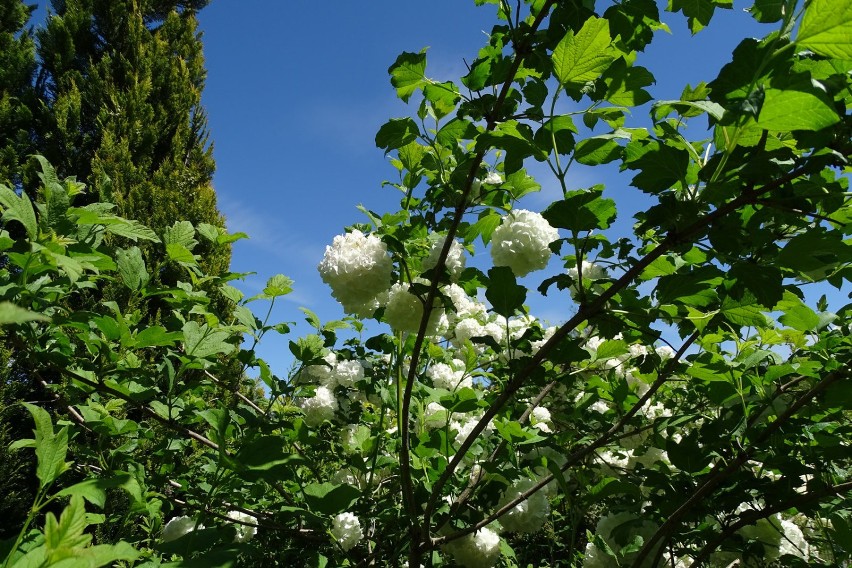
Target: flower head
column 179, row 526
column 527, row 516
column 244, row 532
column 404, row 311
column 319, row 407
column 478, row 550
column 522, row 241
column 455, row 258
column 358, row 270
column 346, row 529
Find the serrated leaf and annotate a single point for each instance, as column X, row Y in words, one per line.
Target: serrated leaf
column 11, row 314
column 202, row 341
column 19, row 209
column 208, row 231
column 826, row 28
column 796, row 314
column 330, row 499
column 51, row 448
column 182, row 232
column 155, row 336
column 133, row 230
column 582, row 210
column 396, row 133
column 408, row 73
column 504, row 292
column 583, row 57
column 792, row 109
column 746, row 311
column 767, row 11
column 180, row 254
column 68, row 531
column 131, row 268
column 698, row 12
column 278, row 285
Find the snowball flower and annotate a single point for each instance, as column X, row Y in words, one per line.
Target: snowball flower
column 478, row 550
column 540, row 419
column 404, row 311
column 527, row 516
column 493, row 178
column 346, row 529
column 244, row 532
column 455, row 258
column 450, row 377
column 358, row 270
column 177, row 527
column 347, row 373
column 319, row 407
column 521, row 242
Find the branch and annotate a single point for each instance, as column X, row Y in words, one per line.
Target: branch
column 720, row 473
column 577, row 455
column 145, row 409
column 750, row 517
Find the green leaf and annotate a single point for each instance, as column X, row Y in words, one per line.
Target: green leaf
column 11, row 314
column 182, row 233
column 68, row 531
column 443, row 96
column 597, row 150
column 155, row 336
column 504, row 292
column 330, row 499
column 698, row 12
column 202, row 341
column 484, row 227
column 131, row 268
column 180, row 254
column 396, row 133
column 745, row 311
column 19, row 209
column 278, row 285
column 792, row 109
column 768, row 11
column 582, row 210
column 815, row 254
column 209, row 232
column 583, row 57
column 796, row 314
column 133, row 230
column 826, row 28
column 408, row 73
column 51, row 448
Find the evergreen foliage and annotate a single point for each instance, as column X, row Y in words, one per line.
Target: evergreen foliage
column 17, row 66
column 121, row 84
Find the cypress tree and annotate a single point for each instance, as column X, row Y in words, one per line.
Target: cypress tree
column 121, row 82
column 17, row 66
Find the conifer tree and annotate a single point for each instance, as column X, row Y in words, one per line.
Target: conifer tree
column 121, row 82
column 17, row 66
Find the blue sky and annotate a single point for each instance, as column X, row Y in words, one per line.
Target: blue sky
column 295, row 96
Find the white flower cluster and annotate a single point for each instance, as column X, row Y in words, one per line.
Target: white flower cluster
column 522, row 241
column 478, row 550
column 541, row 420
column 320, row 407
column 404, row 311
column 591, row 272
column 244, row 532
column 358, row 270
column 527, row 516
column 449, row 376
column 179, row 526
column 346, row 530
column 455, row 258
column 343, row 373
column 596, row 558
